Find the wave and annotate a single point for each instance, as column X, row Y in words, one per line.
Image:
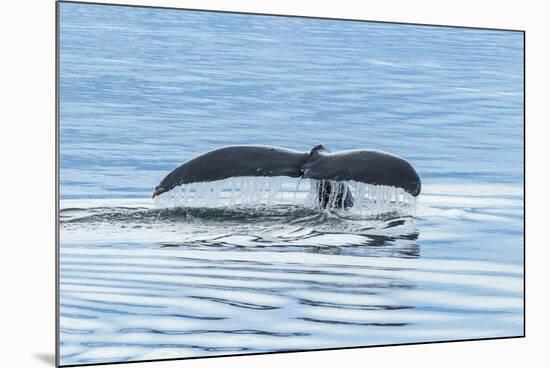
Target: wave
column 285, row 228
column 291, row 214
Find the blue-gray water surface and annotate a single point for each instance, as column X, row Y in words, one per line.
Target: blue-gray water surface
column 143, row 90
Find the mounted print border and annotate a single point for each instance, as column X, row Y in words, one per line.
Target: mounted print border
column 326, row 258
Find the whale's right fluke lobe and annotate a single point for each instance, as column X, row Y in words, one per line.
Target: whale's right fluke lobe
column 366, row 166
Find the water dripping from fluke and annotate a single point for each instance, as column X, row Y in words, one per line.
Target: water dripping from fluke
column 368, row 200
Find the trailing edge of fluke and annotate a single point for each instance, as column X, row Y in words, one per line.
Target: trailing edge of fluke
column 361, row 165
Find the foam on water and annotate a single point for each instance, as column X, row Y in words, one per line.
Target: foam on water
column 369, row 200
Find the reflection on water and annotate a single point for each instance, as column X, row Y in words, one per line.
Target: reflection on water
column 281, row 228
column 144, row 90
column 150, row 301
column 139, row 282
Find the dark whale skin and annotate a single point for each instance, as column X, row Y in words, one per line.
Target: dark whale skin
column 366, row 166
column 227, row 162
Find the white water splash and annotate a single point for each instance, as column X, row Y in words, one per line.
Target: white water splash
column 369, row 200
column 380, row 199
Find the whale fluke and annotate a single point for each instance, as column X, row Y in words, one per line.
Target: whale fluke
column 366, row 166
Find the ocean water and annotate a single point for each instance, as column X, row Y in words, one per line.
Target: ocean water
column 144, row 90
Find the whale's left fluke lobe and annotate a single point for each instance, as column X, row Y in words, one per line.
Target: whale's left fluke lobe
column 366, row 166
column 234, row 161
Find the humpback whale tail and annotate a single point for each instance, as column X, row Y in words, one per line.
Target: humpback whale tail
column 330, row 170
